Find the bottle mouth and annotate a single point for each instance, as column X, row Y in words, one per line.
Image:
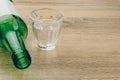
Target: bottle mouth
column 23, row 63
column 21, row 60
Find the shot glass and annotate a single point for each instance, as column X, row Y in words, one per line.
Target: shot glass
column 46, row 26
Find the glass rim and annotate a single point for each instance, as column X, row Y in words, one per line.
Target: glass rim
column 40, row 9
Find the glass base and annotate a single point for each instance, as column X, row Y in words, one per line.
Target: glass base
column 46, row 47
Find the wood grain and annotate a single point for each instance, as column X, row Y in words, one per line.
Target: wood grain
column 71, row 1
column 88, row 46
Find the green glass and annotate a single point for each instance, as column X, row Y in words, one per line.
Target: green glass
column 11, row 0
column 13, row 31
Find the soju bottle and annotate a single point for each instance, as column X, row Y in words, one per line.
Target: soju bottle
column 13, row 31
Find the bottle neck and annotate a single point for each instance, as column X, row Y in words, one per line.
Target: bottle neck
column 13, row 42
column 15, row 45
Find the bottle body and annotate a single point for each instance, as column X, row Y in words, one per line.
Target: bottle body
column 13, row 31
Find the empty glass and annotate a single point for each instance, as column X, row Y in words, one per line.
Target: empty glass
column 46, row 27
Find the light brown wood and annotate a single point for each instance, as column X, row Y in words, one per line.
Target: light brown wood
column 88, row 46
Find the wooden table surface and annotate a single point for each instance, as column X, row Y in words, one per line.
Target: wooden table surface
column 88, row 46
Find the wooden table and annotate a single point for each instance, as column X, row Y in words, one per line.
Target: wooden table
column 88, row 46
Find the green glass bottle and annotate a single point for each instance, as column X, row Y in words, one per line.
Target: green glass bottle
column 13, row 31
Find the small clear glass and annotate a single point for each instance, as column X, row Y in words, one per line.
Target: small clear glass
column 46, row 25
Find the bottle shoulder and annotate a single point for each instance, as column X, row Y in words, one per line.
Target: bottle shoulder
column 12, row 23
column 9, row 18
